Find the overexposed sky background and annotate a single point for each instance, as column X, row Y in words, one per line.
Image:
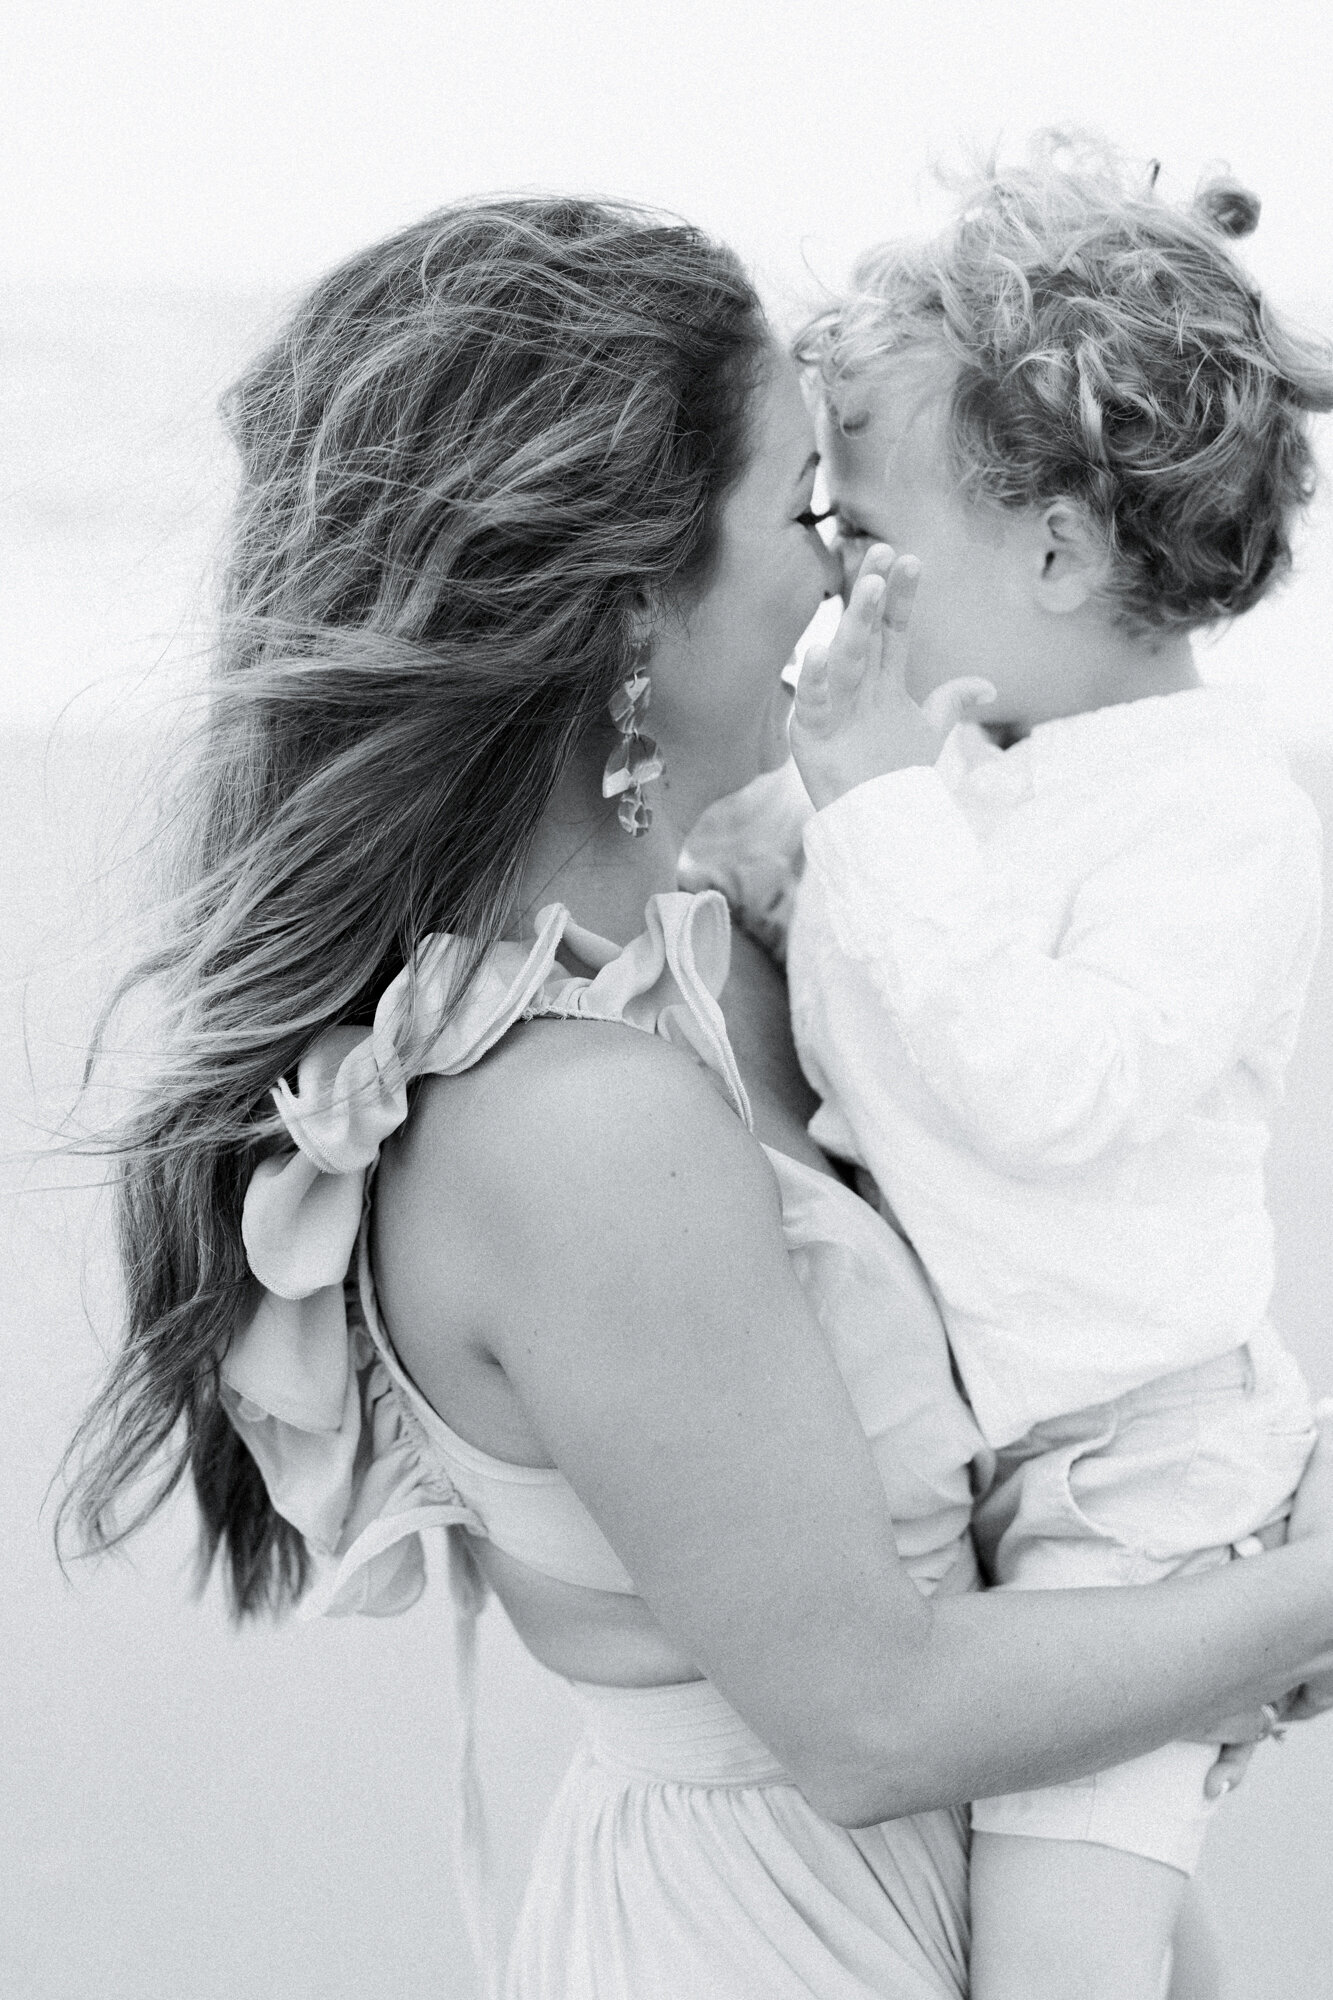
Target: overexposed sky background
column 251, row 142
column 240, row 146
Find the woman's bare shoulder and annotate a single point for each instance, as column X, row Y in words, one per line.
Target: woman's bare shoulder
column 555, row 1088
column 561, row 1140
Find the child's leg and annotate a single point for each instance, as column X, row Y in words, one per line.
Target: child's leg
column 1069, row 1920
column 1196, row 1959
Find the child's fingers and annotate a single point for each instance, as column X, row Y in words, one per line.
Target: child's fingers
column 855, row 646
column 813, row 677
column 955, row 701
column 900, row 581
column 899, row 591
column 812, row 696
column 878, row 560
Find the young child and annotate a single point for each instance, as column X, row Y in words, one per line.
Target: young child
column 1047, row 982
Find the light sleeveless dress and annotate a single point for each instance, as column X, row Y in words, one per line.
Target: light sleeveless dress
column 678, row 1857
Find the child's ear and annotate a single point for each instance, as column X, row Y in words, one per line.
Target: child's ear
column 1070, row 558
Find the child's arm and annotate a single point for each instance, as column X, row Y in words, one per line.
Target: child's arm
column 1042, row 1060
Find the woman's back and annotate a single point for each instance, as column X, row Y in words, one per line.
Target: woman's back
column 446, row 1297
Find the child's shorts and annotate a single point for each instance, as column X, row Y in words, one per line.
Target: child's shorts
column 1165, row 1481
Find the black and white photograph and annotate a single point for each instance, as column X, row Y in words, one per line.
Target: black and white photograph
column 666, row 1076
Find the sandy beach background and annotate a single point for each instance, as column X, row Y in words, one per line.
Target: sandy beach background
column 193, row 1814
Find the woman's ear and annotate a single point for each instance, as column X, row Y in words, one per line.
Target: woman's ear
column 644, row 620
column 1072, row 560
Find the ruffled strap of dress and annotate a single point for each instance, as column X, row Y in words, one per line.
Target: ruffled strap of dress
column 667, row 982
column 303, row 1385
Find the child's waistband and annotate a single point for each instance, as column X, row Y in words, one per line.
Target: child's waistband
column 1261, row 1363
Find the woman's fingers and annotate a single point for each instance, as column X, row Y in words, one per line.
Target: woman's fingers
column 1244, row 1733
column 1314, row 1697
column 1230, row 1768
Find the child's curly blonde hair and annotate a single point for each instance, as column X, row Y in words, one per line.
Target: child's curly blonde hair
column 1111, row 351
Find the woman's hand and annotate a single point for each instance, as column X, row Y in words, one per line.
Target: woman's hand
column 854, row 718
column 1312, row 1516
column 1241, row 1735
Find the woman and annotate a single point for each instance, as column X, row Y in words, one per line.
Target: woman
column 678, row 1393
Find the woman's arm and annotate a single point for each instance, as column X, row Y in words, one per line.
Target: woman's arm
column 609, row 1232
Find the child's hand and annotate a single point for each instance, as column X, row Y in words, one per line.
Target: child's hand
column 854, row 718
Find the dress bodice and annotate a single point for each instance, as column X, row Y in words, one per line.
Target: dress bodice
column 351, row 1451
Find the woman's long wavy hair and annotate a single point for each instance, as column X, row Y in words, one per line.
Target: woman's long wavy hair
column 467, row 461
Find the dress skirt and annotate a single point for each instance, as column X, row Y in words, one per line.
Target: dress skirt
column 679, row 1859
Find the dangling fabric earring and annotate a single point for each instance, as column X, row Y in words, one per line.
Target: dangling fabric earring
column 635, row 759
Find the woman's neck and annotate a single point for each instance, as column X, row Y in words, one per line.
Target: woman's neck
column 582, row 856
